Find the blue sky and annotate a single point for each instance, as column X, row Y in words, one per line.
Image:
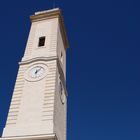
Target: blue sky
column 103, row 64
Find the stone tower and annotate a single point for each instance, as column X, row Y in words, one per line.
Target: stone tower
column 39, row 103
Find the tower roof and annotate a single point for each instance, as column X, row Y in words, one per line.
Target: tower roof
column 49, row 14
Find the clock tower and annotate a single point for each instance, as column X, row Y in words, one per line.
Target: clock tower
column 39, row 103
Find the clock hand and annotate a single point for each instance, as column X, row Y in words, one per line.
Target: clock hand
column 37, row 71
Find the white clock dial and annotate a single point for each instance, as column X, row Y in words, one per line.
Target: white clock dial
column 62, row 94
column 36, row 72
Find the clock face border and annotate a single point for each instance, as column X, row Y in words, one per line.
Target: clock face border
column 29, row 70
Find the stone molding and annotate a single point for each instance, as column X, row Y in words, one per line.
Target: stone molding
column 33, row 137
column 24, row 62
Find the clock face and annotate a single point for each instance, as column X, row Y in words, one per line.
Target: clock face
column 36, row 72
column 62, row 94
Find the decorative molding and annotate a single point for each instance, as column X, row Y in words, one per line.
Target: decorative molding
column 24, row 62
column 32, row 137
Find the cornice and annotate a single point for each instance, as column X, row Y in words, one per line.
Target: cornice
column 24, row 62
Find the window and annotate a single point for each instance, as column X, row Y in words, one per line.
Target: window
column 41, row 41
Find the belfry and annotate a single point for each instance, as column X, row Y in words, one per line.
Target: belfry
column 38, row 107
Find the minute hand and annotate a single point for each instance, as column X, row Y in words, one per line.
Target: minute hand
column 38, row 70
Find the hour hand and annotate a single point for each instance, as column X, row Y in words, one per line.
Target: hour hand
column 36, row 71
